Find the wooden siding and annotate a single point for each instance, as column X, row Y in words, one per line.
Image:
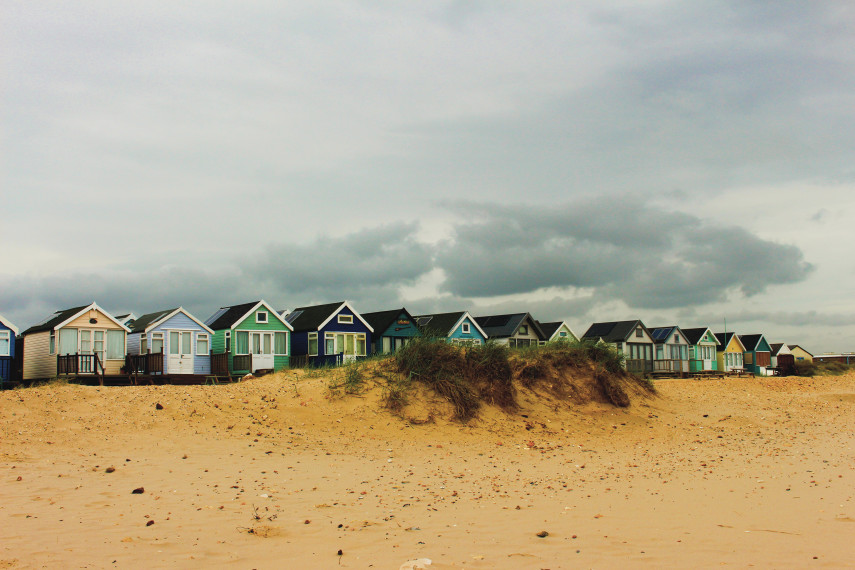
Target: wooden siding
column 181, row 322
column 473, row 331
column 104, row 322
column 38, row 362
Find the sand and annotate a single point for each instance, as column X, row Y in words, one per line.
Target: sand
column 272, row 473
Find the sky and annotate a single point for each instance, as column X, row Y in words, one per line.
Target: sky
column 685, row 163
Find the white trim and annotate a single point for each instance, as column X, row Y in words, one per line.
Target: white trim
column 465, row 328
column 9, row 325
column 270, row 309
column 157, row 323
column 207, row 341
column 309, row 344
column 558, row 330
column 266, row 317
column 352, row 310
column 94, row 306
column 471, row 321
column 344, row 319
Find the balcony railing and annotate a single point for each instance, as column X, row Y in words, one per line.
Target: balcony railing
column 73, row 364
column 150, row 363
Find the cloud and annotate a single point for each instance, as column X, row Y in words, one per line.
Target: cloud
column 622, row 248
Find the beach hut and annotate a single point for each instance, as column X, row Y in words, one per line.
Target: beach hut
column 800, row 354
column 173, row 341
column 702, row 349
column 672, row 350
column 730, row 352
column 516, row 330
column 758, row 354
column 330, row 334
column 558, row 330
column 8, row 334
column 392, row 329
column 630, row 338
column 250, row 337
column 458, row 327
column 81, row 341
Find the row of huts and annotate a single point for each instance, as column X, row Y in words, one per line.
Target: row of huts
column 254, row 336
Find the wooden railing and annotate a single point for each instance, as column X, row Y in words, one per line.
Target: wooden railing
column 638, row 366
column 72, row 364
column 149, row 363
column 668, row 365
column 242, row 363
column 220, row 364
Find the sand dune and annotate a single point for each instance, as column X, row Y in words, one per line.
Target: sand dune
column 272, row 473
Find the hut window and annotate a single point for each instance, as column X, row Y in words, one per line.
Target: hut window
column 157, row 342
column 241, row 342
column 53, row 342
column 360, row 345
column 68, row 341
column 638, row 332
column 313, row 344
column 280, row 343
column 329, row 344
column 345, row 319
column 143, row 344
column 115, row 345
column 261, row 317
column 464, row 328
column 228, row 337
column 524, row 329
column 676, row 338
column 562, row 334
column 202, row 344
column 5, row 343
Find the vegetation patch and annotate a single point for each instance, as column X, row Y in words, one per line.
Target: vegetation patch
column 470, row 376
column 807, row 368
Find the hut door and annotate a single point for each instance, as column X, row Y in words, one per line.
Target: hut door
column 180, row 352
column 261, row 344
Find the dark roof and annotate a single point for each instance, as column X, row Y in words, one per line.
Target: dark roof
column 380, row 321
column 694, row 336
column 724, row 338
column 504, row 326
column 310, row 318
column 225, row 317
column 750, row 341
column 440, row 323
column 549, row 328
column 617, row 331
column 139, row 325
column 53, row 320
column 661, row 334
column 776, row 348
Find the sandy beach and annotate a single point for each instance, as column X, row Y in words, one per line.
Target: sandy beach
column 274, row 473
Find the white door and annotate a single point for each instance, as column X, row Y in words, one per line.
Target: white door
column 261, row 346
column 180, row 359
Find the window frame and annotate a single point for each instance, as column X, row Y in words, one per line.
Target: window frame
column 345, row 319
column 52, row 342
column 259, row 320
column 285, row 334
column 7, row 335
column 158, row 336
column 312, row 336
column 465, row 328
column 207, row 339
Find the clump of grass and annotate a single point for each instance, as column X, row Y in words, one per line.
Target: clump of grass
column 806, row 368
column 488, row 368
column 352, row 382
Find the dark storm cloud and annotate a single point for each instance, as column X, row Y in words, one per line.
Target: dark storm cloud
column 622, row 248
column 385, row 258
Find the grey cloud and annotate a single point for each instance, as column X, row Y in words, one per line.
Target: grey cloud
column 386, row 257
column 647, row 257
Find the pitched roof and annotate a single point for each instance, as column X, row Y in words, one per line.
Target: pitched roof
column 8, row 324
column 503, row 326
column 694, row 336
column 794, row 346
column 60, row 317
column 444, row 323
column 661, row 334
column 616, row 331
column 550, row 329
column 750, row 341
column 145, row 322
column 314, row 317
column 380, row 321
column 777, row 347
column 140, row 324
column 227, row 317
